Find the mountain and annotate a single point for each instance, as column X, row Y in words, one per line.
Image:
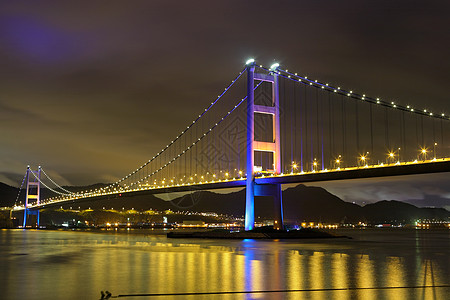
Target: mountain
column 316, row 204
column 431, row 201
column 8, row 195
column 386, row 211
column 301, row 203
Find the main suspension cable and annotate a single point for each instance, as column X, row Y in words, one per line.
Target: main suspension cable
column 20, row 189
column 57, row 185
column 63, row 194
column 314, row 83
column 183, row 132
column 198, row 140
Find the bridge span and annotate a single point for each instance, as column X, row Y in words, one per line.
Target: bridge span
column 292, row 129
column 412, row 168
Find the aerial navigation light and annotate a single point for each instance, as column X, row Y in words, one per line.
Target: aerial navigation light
column 274, row 66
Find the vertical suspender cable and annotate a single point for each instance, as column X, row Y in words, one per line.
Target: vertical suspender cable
column 238, row 147
column 330, row 129
column 196, row 149
column 216, row 152
column 344, row 148
column 357, row 127
column 417, row 130
column 421, row 125
column 185, row 159
column 295, row 119
column 386, row 128
column 311, row 134
column 317, row 121
column 434, row 130
column 306, row 125
column 292, row 128
column 301, row 134
column 371, row 128
column 190, row 155
column 285, row 110
column 321, row 129
column 284, row 101
column 403, row 147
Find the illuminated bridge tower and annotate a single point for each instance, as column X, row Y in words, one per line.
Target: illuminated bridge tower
column 253, row 189
column 32, row 194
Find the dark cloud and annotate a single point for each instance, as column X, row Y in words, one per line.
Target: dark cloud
column 91, row 90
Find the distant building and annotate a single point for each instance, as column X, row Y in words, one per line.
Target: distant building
column 192, row 223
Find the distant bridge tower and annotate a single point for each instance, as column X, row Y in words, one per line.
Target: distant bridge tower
column 33, row 193
column 253, row 189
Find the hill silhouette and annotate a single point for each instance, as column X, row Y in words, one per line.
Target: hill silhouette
column 301, row 203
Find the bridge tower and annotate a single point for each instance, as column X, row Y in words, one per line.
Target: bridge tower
column 33, row 193
column 253, row 189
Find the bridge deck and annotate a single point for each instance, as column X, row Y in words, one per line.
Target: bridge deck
column 435, row 166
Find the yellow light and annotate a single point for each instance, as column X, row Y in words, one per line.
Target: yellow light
column 363, row 158
column 391, row 154
column 424, row 151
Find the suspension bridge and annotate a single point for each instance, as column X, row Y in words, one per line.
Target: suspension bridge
column 271, row 128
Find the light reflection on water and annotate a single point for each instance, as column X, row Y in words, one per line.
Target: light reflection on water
column 78, row 265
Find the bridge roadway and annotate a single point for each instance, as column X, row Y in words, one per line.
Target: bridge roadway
column 431, row 166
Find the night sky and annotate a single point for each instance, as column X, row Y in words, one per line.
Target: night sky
column 92, row 89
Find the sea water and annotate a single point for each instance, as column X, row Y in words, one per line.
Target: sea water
column 144, row 264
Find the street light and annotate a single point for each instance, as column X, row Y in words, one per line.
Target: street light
column 338, row 162
column 364, row 159
column 434, row 150
column 314, row 164
column 391, row 157
column 423, row 151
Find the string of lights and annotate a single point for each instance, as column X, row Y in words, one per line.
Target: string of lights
column 349, row 93
column 198, row 140
column 161, row 171
column 183, row 132
column 54, row 191
column 20, row 189
column 57, row 185
column 126, row 187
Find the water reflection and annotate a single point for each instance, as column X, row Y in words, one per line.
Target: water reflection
column 79, row 265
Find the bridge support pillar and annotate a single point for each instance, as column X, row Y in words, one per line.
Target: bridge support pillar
column 250, row 181
column 33, row 193
column 273, row 190
column 28, row 218
column 273, row 147
column 250, row 205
